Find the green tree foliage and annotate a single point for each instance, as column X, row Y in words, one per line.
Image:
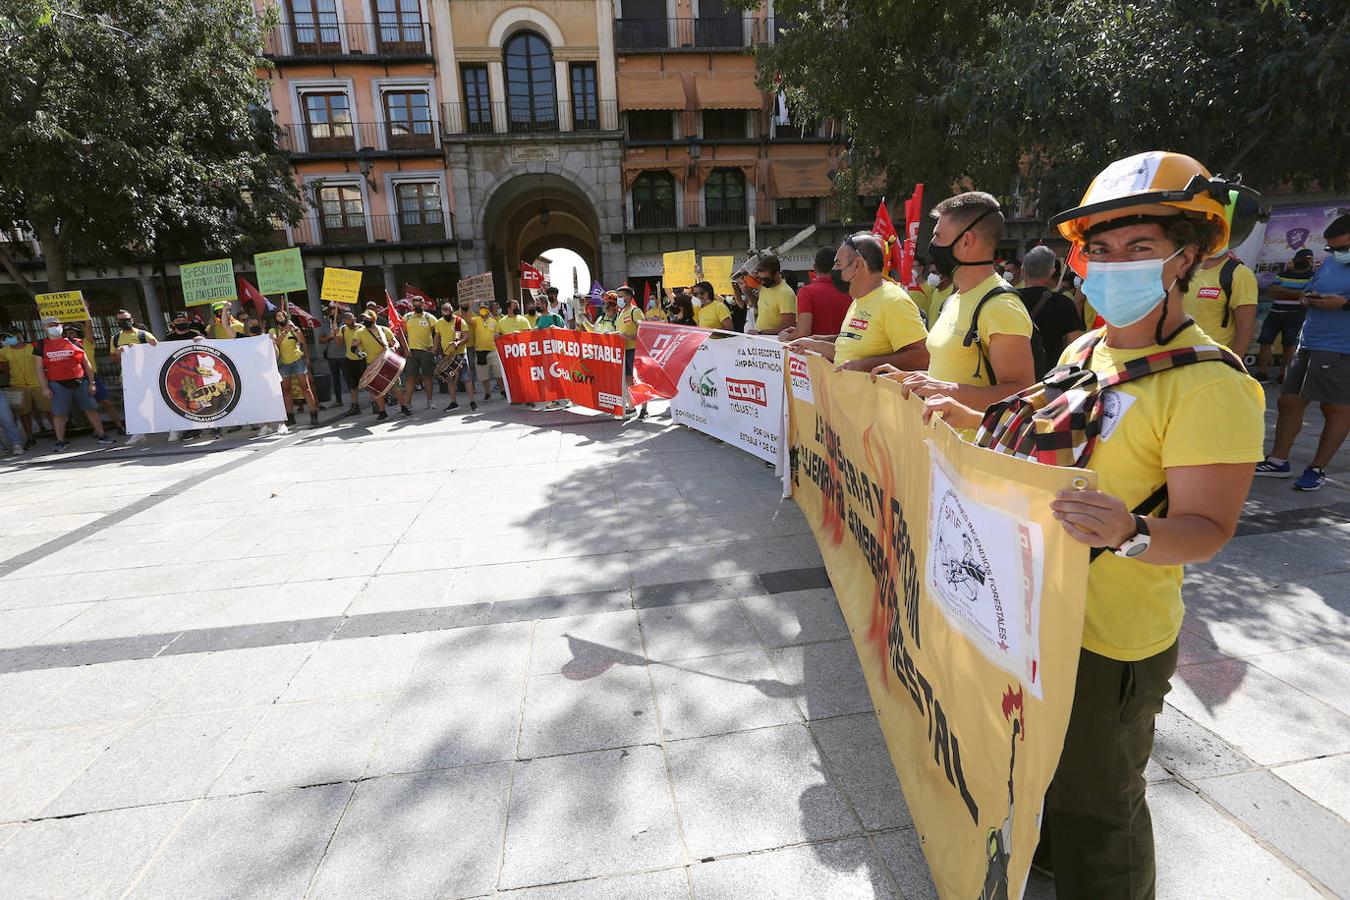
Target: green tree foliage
column 1041, row 97
column 136, row 128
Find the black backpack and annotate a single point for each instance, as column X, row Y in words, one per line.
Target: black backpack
column 1038, row 357
column 1226, row 285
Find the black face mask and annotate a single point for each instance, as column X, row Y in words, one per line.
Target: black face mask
column 180, row 326
column 124, row 324
column 255, row 329
column 946, row 261
column 837, row 279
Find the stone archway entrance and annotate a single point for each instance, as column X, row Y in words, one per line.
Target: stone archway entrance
column 531, row 213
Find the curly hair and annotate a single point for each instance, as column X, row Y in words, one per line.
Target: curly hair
column 1193, row 231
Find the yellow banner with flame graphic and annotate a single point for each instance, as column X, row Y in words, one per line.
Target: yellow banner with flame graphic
column 965, row 601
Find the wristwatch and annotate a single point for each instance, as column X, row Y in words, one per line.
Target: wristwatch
column 1137, row 544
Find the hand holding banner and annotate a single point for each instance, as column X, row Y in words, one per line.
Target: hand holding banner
column 560, row 364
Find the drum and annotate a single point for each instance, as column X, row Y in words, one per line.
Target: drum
column 448, row 367
column 381, row 374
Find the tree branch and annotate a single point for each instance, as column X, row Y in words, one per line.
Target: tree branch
column 12, row 267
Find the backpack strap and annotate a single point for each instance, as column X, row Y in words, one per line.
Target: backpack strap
column 973, row 332
column 1170, row 359
column 1226, row 285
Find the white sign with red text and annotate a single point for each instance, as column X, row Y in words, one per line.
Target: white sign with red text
column 733, row 390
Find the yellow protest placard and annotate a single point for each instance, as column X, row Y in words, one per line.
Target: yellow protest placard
column 678, row 268
column 341, row 285
column 940, row 554
column 717, row 272
column 65, row 306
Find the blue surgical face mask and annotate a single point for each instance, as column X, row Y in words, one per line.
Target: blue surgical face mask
column 1125, row 292
column 1341, row 256
column 11, row 341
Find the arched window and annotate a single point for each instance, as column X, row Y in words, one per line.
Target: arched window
column 531, row 92
column 654, row 200
column 724, row 197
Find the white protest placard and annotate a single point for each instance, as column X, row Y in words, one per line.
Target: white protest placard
column 733, row 390
column 185, row 385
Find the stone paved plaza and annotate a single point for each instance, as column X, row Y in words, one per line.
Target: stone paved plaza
column 544, row 655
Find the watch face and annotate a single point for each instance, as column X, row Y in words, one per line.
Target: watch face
column 1136, row 549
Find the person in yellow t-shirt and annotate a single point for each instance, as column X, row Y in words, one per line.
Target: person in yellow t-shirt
column 627, row 317
column 419, row 331
column 776, row 307
column 937, row 298
column 510, row 323
column 655, row 312
column 882, row 325
column 979, row 346
column 370, row 342
column 224, row 326
column 1195, row 430
column 709, row 310
column 18, row 361
column 293, row 364
column 452, row 339
column 486, row 361
column 353, row 366
column 1224, row 307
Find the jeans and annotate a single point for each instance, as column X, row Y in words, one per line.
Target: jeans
column 337, row 371
column 9, row 429
column 1101, row 834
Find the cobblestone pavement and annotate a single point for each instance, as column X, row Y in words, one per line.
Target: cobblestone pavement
column 540, row 655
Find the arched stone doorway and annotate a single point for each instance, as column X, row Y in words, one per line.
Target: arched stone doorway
column 531, row 213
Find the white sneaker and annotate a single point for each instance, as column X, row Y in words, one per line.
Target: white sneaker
column 264, row 431
column 283, row 428
column 175, row 435
column 134, row 439
column 16, row 450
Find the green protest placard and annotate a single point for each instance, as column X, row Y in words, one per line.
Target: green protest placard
column 64, row 306
column 341, row 285
column 280, row 271
column 207, row 282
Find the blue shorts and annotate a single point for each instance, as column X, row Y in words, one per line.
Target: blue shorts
column 100, row 389
column 289, row 370
column 64, row 397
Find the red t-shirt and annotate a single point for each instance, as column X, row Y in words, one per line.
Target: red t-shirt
column 61, row 358
column 826, row 304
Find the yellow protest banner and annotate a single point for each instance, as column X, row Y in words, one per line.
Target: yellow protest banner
column 65, row 306
column 941, row 555
column 717, row 271
column 678, row 268
column 340, row 285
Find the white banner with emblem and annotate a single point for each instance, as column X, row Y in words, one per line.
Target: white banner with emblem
column 187, row 385
column 733, row 390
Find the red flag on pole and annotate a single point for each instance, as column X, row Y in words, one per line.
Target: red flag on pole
column 413, row 291
column 531, row 279
column 395, row 320
column 647, row 296
column 250, row 294
column 884, row 228
column 913, row 210
column 302, row 316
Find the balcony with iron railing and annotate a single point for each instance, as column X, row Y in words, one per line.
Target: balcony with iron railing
column 711, row 33
column 404, row 137
column 672, row 215
column 505, row 118
column 327, row 40
column 362, row 230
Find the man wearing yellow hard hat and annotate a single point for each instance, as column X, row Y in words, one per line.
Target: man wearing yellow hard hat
column 1172, row 426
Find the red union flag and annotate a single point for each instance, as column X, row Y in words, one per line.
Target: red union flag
column 531, row 279
column 913, row 210
column 663, row 353
column 560, row 364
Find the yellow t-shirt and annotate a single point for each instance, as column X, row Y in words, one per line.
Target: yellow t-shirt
column 223, row 331
column 347, row 335
column 936, row 298
column 512, row 324
column 1204, row 302
column 484, row 332
column 1201, row 414
column 288, row 348
column 419, row 330
column 606, row 325
column 774, row 303
column 89, row 354
column 949, row 358
column 532, row 318
column 711, row 314
column 877, row 324
column 448, row 331
column 627, row 324
column 370, row 344
column 22, row 365
column 656, row 314
column 125, row 339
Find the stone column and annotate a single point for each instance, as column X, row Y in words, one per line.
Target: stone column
column 153, row 313
column 313, row 283
column 390, row 282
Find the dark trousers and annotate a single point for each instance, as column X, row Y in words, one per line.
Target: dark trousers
column 337, row 371
column 1099, row 829
column 355, row 369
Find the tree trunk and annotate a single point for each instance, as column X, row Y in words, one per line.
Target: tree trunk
column 53, row 257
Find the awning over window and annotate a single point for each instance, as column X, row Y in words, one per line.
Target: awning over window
column 747, row 167
column 800, row 178
column 723, row 92
column 651, row 91
column 632, row 168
